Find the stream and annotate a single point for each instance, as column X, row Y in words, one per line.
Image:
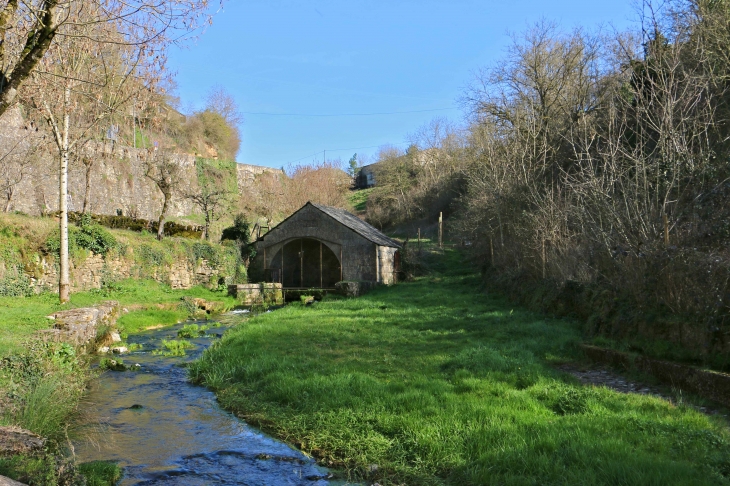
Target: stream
column 163, row 430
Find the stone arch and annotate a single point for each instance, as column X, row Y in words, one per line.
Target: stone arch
column 307, row 263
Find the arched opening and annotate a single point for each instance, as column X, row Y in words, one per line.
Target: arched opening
column 306, row 263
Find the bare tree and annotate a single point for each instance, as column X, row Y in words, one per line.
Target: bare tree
column 215, row 192
column 222, row 102
column 78, row 84
column 325, row 183
column 28, row 29
column 162, row 169
column 17, row 164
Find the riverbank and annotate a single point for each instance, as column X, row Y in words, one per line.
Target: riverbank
column 433, row 382
column 43, row 383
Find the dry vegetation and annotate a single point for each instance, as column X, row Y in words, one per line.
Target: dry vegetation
column 273, row 196
column 599, row 163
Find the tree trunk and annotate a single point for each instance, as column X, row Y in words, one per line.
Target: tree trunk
column 63, row 283
column 8, row 198
column 87, row 189
column 206, row 232
column 163, row 214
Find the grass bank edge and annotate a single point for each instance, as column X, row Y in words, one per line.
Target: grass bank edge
column 433, row 382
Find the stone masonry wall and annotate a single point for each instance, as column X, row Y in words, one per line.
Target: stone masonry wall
column 386, row 259
column 95, row 269
column 117, row 178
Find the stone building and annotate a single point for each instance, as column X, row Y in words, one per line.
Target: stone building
column 365, row 177
column 318, row 246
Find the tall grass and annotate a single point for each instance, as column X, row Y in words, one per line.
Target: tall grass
column 43, row 385
column 433, row 382
column 48, row 406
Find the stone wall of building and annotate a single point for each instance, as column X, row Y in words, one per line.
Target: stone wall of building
column 357, row 254
column 387, row 262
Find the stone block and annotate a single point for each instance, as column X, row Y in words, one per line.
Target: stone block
column 14, row 440
column 249, row 294
column 354, row 288
column 80, row 326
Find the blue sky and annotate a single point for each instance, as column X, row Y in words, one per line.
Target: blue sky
column 327, row 57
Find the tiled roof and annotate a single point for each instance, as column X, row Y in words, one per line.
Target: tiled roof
column 357, row 225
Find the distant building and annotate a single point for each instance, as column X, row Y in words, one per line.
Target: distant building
column 318, row 246
column 365, row 177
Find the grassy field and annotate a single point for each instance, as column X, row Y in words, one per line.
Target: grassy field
column 149, row 303
column 433, row 382
column 359, row 199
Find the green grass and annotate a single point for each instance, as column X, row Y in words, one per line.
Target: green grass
column 100, row 473
column 45, row 470
column 173, row 347
column 21, row 317
column 359, row 199
column 433, row 382
column 191, row 331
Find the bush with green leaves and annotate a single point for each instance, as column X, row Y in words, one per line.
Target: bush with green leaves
column 241, row 234
column 16, row 285
column 87, row 235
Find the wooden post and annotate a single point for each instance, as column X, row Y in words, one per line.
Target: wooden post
column 441, row 230
column 491, row 248
column 666, row 230
column 419, row 240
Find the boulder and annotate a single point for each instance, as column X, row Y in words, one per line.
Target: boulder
column 14, row 440
column 354, row 288
column 10, row 482
column 80, row 326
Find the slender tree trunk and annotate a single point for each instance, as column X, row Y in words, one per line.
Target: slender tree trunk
column 163, row 214
column 207, row 225
column 63, row 284
column 8, row 198
column 87, row 189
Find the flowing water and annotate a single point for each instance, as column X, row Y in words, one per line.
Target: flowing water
column 166, row 431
